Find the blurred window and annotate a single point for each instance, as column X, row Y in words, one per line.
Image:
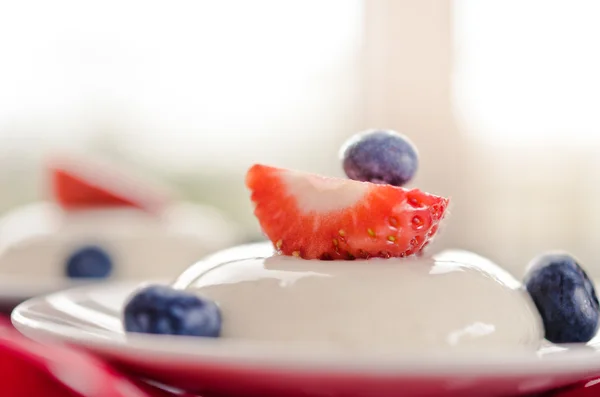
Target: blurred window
column 196, row 79
column 528, row 71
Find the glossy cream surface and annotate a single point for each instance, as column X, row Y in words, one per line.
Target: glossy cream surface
column 37, row 239
column 454, row 300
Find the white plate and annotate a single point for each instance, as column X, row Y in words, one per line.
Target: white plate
column 89, row 317
column 15, row 289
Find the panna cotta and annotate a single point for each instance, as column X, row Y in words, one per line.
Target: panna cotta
column 454, row 300
column 347, row 267
column 40, row 239
column 100, row 222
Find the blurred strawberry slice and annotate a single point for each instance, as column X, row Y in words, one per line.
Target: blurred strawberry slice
column 77, row 183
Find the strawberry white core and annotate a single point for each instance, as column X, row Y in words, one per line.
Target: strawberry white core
column 321, row 194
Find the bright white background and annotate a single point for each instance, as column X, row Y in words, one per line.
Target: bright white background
column 527, row 71
column 501, row 98
column 191, row 82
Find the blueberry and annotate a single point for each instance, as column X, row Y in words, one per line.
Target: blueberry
column 380, row 157
column 564, row 296
column 159, row 309
column 89, row 262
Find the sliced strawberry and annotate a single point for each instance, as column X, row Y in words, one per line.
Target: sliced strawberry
column 316, row 217
column 77, row 183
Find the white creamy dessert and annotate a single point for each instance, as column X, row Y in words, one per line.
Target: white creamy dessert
column 345, row 267
column 100, row 221
column 38, row 239
column 454, row 300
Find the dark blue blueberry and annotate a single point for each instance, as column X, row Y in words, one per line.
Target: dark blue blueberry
column 380, row 157
column 564, row 296
column 159, row 309
column 89, row 262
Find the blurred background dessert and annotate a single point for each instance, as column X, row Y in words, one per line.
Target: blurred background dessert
column 97, row 221
column 501, row 103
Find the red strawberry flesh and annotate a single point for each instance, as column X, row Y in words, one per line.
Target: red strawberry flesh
column 80, row 184
column 316, row 217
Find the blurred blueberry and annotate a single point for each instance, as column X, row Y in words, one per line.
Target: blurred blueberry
column 89, row 262
column 159, row 309
column 564, row 296
column 380, row 157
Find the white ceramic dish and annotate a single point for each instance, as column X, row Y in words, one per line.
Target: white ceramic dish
column 89, row 317
column 15, row 289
